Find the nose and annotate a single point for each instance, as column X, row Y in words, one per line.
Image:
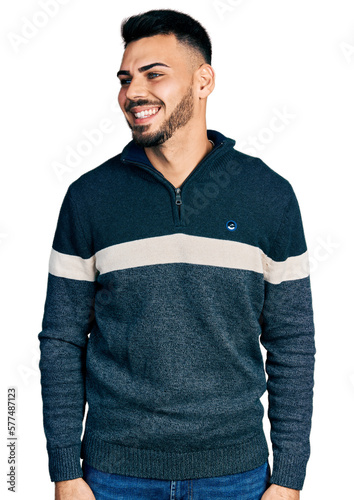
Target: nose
column 136, row 89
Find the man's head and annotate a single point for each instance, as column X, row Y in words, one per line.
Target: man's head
column 187, row 30
column 172, row 92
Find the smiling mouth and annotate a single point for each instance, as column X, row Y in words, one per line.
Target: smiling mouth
column 145, row 114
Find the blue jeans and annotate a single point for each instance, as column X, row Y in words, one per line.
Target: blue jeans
column 248, row 485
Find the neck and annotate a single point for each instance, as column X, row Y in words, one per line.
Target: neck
column 177, row 157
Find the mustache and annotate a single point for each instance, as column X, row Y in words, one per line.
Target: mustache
column 141, row 102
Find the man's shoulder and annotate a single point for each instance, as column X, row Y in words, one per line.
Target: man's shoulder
column 256, row 174
column 101, row 179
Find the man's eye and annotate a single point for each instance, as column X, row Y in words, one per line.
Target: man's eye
column 151, row 76
column 154, row 75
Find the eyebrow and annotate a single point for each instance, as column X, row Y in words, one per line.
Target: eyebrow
column 143, row 68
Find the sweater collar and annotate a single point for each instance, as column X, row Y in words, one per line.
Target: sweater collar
column 136, row 154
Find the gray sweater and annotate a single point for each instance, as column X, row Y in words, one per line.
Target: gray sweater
column 157, row 301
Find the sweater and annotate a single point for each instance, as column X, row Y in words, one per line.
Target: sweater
column 158, row 301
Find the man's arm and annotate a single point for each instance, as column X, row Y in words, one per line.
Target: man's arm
column 67, row 321
column 288, row 336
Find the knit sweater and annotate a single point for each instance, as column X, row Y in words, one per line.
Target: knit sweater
column 158, row 300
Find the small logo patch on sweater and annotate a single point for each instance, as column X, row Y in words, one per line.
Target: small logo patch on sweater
column 231, row 225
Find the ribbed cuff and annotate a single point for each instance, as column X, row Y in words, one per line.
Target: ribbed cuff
column 288, row 471
column 64, row 463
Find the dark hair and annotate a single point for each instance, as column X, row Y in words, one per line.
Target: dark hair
column 166, row 22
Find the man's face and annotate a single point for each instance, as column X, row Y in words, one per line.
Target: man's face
column 161, row 93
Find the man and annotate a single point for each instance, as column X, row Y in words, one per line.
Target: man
column 171, row 262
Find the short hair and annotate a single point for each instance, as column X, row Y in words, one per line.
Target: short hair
column 187, row 30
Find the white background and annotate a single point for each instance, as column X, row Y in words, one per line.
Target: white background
column 270, row 57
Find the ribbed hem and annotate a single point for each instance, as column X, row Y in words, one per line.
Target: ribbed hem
column 288, row 471
column 155, row 464
column 64, row 463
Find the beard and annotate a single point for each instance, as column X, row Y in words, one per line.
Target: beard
column 180, row 116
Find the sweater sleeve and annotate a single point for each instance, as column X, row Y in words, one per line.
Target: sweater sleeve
column 67, row 320
column 288, row 337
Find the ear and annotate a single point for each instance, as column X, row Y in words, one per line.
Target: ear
column 205, row 79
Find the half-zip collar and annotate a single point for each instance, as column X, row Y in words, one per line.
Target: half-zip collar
column 133, row 153
column 216, row 159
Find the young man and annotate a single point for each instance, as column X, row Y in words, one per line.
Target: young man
column 171, row 262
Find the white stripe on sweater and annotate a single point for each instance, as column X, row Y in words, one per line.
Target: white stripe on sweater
column 179, row 247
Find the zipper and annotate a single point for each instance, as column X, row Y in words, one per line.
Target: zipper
column 177, row 191
column 178, row 201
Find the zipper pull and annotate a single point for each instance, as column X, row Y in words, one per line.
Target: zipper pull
column 178, row 196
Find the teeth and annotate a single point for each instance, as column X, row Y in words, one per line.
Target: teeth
column 145, row 113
